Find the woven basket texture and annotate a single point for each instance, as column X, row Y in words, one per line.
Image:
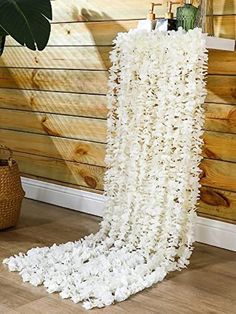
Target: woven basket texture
column 11, row 193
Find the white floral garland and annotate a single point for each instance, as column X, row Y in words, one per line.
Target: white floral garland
column 155, row 126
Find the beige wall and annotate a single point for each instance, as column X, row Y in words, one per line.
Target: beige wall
column 53, row 105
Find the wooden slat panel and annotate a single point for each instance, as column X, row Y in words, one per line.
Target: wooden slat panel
column 96, row 10
column 55, row 125
column 77, row 10
column 219, row 174
column 57, row 57
column 224, row 7
column 220, row 117
column 218, row 203
column 64, row 103
column 89, row 33
column 54, row 147
column 221, row 89
column 65, row 171
column 220, row 146
column 220, row 62
column 217, row 146
column 55, row 80
column 225, row 26
column 103, row 33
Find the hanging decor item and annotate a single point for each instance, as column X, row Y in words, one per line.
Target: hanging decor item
column 11, row 192
column 155, row 125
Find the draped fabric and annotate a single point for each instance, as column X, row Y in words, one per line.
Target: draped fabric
column 155, row 123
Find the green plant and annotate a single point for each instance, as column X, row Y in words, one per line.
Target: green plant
column 27, row 21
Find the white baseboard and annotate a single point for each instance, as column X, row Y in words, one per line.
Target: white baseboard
column 83, row 201
column 208, row 231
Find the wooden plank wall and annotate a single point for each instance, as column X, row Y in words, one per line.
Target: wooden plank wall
column 53, row 104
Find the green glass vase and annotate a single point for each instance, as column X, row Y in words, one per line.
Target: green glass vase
column 186, row 16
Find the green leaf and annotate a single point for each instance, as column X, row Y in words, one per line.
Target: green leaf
column 3, row 35
column 27, row 21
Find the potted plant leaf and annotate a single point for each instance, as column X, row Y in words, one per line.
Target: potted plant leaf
column 27, row 21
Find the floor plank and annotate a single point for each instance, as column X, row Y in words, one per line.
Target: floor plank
column 208, row 286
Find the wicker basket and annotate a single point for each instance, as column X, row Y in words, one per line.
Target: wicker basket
column 11, row 192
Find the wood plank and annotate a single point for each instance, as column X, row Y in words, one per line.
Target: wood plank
column 53, row 147
column 224, row 7
column 63, row 103
column 87, row 58
column 225, row 26
column 217, row 145
column 62, row 171
column 220, row 117
column 220, row 146
column 55, row 125
column 221, row 89
column 98, row 10
column 57, row 57
column 219, row 174
column 222, row 62
column 103, row 32
column 88, row 33
column 55, row 80
column 216, row 174
column 80, row 10
column 218, row 203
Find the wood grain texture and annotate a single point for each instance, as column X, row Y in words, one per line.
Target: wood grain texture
column 218, row 174
column 224, row 7
column 220, row 89
column 50, row 92
column 54, row 102
column 88, row 33
column 54, row 147
column 217, row 145
column 222, row 62
column 220, row 117
column 57, row 57
column 60, row 170
column 89, row 58
column 82, row 10
column 220, row 146
column 55, row 80
column 225, row 26
column 217, row 203
column 183, row 292
column 104, row 32
column 54, row 125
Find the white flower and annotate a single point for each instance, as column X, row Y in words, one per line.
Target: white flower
column 155, row 124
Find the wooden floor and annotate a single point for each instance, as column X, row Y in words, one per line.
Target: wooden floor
column 208, row 286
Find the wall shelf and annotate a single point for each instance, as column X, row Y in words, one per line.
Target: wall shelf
column 220, row 43
column 211, row 41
